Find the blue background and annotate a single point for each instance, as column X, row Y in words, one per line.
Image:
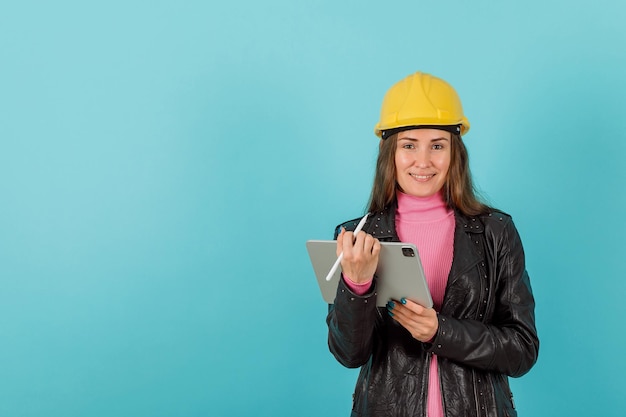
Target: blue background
column 163, row 162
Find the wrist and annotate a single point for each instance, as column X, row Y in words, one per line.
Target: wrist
column 357, row 282
column 359, row 288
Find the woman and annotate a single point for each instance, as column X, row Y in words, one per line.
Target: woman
column 453, row 359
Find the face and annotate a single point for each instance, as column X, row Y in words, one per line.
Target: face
column 422, row 161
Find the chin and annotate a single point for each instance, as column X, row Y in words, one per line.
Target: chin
column 422, row 194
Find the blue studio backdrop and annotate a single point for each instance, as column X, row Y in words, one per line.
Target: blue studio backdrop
column 163, row 163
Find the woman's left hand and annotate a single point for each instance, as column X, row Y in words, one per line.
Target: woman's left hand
column 420, row 321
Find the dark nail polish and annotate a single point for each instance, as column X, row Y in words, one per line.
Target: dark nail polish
column 403, row 301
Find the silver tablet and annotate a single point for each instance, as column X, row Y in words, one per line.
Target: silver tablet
column 399, row 273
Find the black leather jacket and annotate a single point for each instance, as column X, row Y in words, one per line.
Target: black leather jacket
column 486, row 328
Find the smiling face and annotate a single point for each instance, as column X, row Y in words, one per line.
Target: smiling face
column 422, row 161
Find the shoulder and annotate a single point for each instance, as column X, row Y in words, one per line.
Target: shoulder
column 380, row 224
column 349, row 225
column 496, row 219
column 493, row 222
column 500, row 229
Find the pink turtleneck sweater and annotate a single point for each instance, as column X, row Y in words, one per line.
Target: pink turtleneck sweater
column 429, row 224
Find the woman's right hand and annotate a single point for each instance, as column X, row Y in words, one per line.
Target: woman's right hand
column 360, row 255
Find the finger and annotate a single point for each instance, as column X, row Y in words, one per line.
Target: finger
column 376, row 247
column 340, row 241
column 417, row 312
column 408, row 316
column 396, row 309
column 368, row 243
column 354, row 251
column 348, row 241
column 421, row 328
column 359, row 241
column 413, row 306
column 400, row 316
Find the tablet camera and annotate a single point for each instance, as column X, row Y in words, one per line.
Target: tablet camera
column 408, row 252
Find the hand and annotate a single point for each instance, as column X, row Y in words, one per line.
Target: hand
column 360, row 255
column 420, row 321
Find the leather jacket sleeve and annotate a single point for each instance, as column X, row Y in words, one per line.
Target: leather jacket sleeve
column 507, row 341
column 350, row 334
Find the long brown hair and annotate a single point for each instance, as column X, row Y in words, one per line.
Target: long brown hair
column 458, row 191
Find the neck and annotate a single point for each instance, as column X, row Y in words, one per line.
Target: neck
column 421, row 209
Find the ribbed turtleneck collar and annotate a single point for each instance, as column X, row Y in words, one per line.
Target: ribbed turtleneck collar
column 421, row 209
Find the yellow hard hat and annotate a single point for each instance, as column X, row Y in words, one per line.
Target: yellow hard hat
column 421, row 100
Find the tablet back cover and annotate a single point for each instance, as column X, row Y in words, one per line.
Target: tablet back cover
column 399, row 273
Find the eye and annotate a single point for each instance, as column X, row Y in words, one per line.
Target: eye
column 437, row 146
column 408, row 145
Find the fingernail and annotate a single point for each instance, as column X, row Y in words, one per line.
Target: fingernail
column 391, row 304
column 403, row 300
column 390, row 313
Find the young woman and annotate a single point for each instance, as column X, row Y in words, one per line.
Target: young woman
column 453, row 359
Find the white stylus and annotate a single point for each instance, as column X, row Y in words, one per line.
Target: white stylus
column 340, row 257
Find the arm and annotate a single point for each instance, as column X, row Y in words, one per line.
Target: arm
column 351, row 321
column 352, row 317
column 508, row 343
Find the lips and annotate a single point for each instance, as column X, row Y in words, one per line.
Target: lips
column 422, row 177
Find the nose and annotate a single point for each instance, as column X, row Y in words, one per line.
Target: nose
column 422, row 158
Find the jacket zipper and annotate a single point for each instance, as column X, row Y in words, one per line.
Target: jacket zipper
column 429, row 358
column 476, row 396
column 443, row 403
